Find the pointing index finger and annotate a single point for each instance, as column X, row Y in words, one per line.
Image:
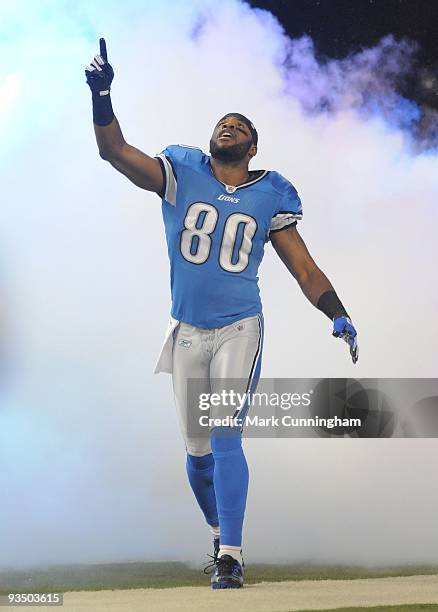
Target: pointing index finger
column 103, row 53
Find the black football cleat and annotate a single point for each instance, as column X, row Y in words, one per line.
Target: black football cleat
column 228, row 574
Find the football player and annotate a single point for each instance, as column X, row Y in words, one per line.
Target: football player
column 218, row 216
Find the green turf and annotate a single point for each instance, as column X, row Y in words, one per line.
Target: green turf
column 405, row 608
column 63, row 578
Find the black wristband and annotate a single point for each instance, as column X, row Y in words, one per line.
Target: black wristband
column 331, row 305
column 103, row 112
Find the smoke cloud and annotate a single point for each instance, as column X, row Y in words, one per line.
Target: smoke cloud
column 91, row 460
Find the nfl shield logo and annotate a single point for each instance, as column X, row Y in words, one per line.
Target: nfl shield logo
column 230, row 188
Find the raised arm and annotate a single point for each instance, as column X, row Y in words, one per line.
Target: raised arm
column 144, row 171
column 315, row 285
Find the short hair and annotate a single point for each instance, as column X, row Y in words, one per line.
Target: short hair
column 249, row 124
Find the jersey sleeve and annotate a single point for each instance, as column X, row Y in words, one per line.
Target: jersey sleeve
column 172, row 160
column 289, row 210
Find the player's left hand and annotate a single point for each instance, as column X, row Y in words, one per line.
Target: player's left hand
column 344, row 328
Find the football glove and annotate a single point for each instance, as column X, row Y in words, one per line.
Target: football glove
column 343, row 328
column 99, row 73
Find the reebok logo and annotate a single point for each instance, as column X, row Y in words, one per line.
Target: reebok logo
column 226, row 198
column 185, row 343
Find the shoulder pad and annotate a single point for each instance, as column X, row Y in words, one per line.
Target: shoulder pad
column 189, row 147
column 182, row 154
column 281, row 184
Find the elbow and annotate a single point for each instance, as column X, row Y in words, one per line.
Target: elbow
column 302, row 277
column 111, row 154
column 309, row 276
column 104, row 154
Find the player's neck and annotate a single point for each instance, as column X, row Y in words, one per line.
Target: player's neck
column 230, row 173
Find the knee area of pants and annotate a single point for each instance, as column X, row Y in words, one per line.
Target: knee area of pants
column 198, row 447
column 225, row 439
column 200, row 463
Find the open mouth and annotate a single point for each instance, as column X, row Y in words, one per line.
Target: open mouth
column 226, row 136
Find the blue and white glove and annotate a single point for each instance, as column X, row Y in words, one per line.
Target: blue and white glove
column 344, row 328
column 99, row 73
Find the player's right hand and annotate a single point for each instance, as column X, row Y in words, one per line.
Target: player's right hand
column 99, row 73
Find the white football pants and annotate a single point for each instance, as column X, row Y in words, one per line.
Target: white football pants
column 206, row 361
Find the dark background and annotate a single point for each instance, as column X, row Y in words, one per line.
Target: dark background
column 342, row 27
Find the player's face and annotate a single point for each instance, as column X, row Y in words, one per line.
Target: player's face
column 231, row 140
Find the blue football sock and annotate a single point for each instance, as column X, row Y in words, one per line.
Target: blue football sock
column 230, row 482
column 200, row 472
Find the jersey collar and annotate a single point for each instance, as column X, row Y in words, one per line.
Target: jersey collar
column 260, row 174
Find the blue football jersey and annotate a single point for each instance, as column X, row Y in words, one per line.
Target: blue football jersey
column 216, row 235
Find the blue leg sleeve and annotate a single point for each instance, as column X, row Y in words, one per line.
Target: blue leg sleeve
column 200, row 472
column 230, row 482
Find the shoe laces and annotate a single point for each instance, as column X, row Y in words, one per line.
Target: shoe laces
column 225, row 564
column 209, row 565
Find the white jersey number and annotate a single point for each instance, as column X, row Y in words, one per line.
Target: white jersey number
column 198, row 239
column 192, row 234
